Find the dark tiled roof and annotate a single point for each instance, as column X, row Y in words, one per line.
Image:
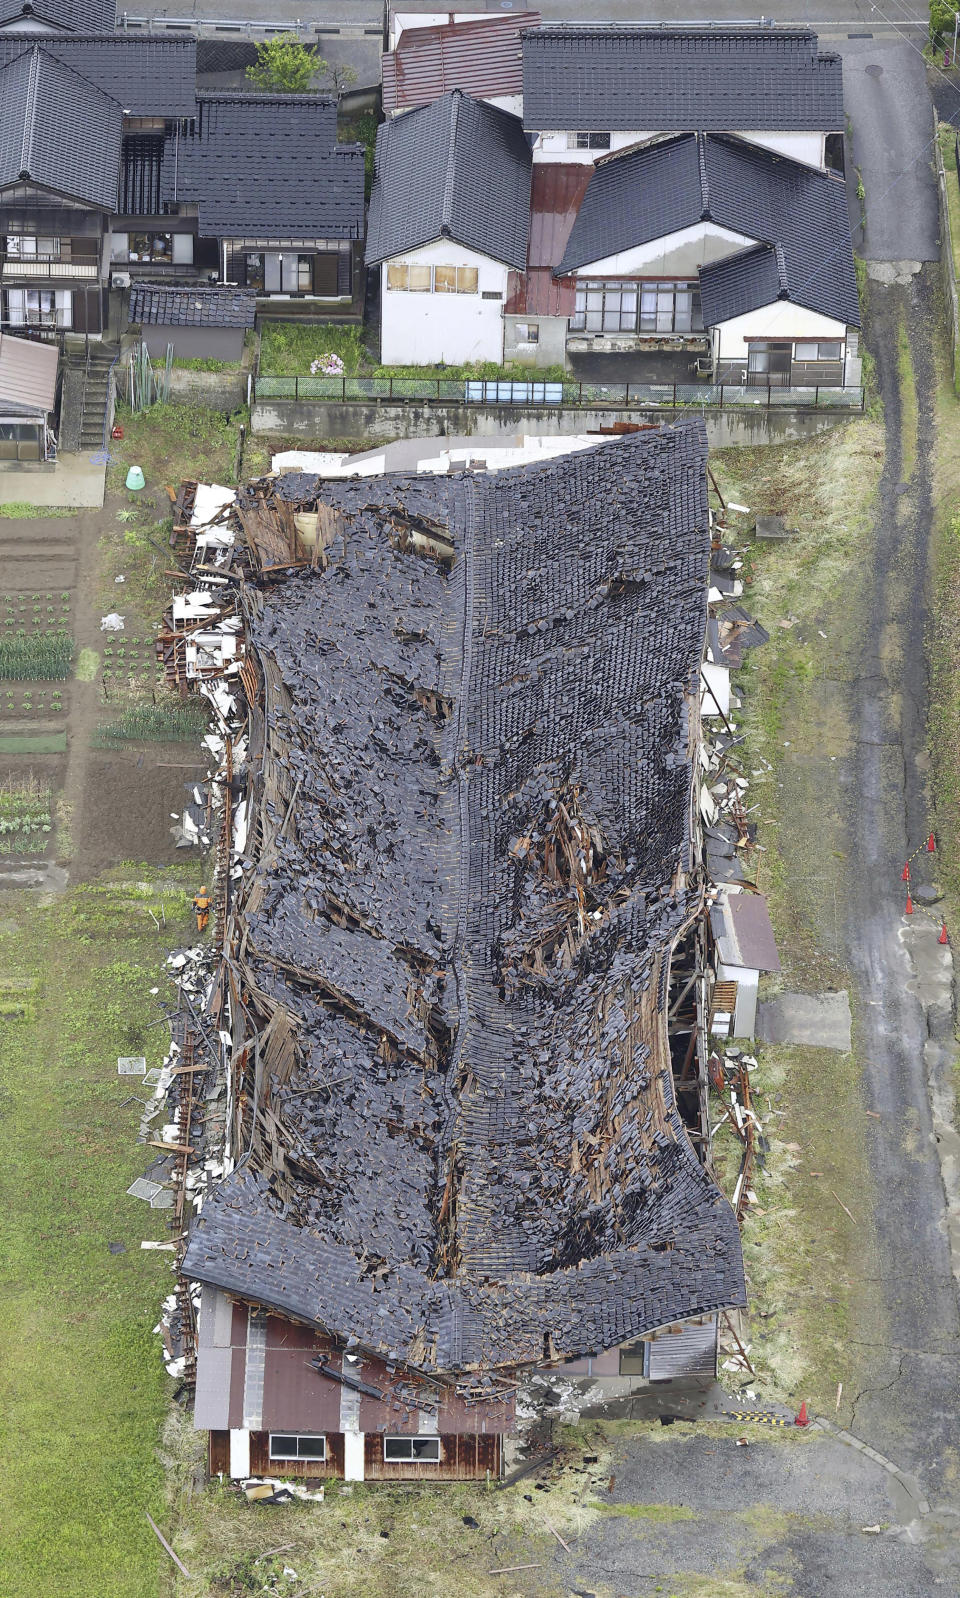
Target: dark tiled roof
column 481, row 57
column 742, row 282
column 267, row 166
column 457, row 169
column 444, row 1198
column 148, row 77
column 662, row 188
column 664, row 80
column 153, row 304
column 78, row 16
column 58, row 130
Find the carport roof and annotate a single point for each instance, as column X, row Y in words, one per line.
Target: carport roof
column 28, row 374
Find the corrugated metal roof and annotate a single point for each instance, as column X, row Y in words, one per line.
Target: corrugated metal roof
column 539, row 293
column 555, row 197
column 28, row 373
column 483, row 57
column 741, row 925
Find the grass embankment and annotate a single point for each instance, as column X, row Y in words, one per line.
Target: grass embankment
column 947, row 136
column 805, row 1237
column 944, row 640
column 83, row 1390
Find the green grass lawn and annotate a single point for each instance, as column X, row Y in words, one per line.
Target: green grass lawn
column 83, row 1390
column 287, row 349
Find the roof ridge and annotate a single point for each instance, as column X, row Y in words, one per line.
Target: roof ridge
column 446, row 204
column 782, row 274
column 701, row 139
column 26, row 142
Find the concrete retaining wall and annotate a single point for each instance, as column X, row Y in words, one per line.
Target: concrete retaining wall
column 384, row 422
column 222, row 391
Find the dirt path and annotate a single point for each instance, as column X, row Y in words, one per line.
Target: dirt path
column 910, row 1404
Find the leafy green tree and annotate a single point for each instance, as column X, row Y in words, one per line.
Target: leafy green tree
column 286, row 66
column 941, row 20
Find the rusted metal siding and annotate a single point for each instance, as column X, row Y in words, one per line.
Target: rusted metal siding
column 218, row 1452
column 462, row 1458
column 262, row 1465
column 482, row 58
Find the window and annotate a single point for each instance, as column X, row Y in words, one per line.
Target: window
column 528, row 332
column 254, row 272
column 39, row 308
column 610, row 307
column 589, row 141
column 150, row 247
column 416, row 1450
column 292, row 1445
column 21, row 247
column 822, row 351
column 405, row 277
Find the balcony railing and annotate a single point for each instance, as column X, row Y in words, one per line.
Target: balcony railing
column 48, row 268
column 533, row 394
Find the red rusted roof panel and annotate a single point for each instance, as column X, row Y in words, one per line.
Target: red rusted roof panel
column 482, row 58
column 555, row 196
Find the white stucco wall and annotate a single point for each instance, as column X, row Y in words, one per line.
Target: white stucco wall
column 425, row 329
column 806, row 147
column 779, row 321
column 748, row 985
column 675, row 255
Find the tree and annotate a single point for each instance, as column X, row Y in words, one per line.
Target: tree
column 285, row 66
column 941, row 20
column 341, row 77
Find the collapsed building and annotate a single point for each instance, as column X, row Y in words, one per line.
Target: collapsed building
column 461, row 845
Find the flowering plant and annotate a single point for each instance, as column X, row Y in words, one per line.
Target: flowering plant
column 326, row 366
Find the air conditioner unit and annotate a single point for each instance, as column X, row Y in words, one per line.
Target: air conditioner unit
column 119, row 280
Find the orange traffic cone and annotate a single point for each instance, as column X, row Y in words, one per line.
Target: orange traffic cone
column 905, row 873
column 802, row 1419
column 909, row 910
column 931, row 844
column 943, row 933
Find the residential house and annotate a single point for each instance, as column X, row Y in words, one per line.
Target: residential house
column 60, row 138
column 275, row 203
column 446, row 231
column 449, row 1067
column 70, row 104
column 479, row 52
column 117, row 169
column 658, row 153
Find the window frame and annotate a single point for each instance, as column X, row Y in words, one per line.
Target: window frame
column 622, row 305
column 527, row 332
column 587, row 140
column 819, row 345
column 298, row 1458
column 393, row 1439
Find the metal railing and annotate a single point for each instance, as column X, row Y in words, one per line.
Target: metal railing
column 580, row 395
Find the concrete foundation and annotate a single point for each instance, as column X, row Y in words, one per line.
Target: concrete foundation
column 382, row 421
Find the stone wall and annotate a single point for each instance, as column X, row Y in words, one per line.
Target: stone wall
column 222, row 391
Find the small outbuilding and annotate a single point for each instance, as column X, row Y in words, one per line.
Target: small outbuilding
column 744, row 946
column 202, row 322
column 29, row 374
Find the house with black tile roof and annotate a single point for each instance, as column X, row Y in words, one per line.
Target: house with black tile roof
column 456, row 1150
column 656, row 153
column 113, row 167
